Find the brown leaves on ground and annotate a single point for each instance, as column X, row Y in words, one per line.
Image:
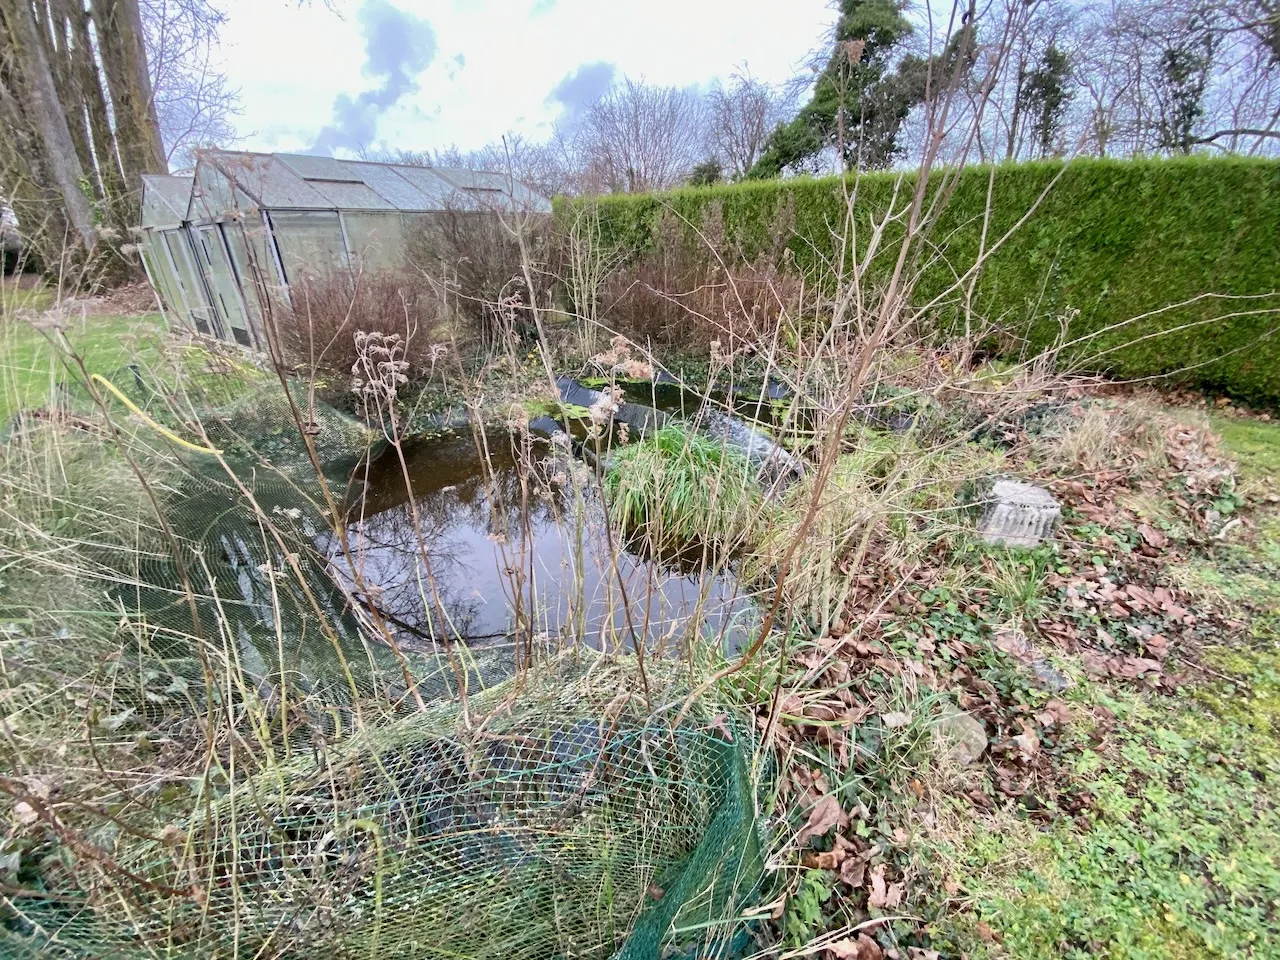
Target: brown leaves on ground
column 860, row 947
column 1107, row 599
column 827, row 813
column 852, row 859
column 884, row 895
column 847, row 858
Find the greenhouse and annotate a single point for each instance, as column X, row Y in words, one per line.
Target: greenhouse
column 245, row 226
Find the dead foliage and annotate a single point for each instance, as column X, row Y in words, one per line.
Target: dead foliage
column 860, row 719
column 317, row 335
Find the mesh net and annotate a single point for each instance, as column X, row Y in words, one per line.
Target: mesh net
column 509, row 807
column 575, row 824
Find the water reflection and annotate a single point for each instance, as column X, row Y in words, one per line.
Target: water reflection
column 516, row 549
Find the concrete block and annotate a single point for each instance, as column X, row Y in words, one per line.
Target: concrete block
column 1018, row 514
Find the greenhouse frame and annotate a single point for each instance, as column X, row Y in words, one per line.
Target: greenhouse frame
column 245, row 226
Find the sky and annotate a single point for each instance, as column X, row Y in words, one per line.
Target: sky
column 430, row 74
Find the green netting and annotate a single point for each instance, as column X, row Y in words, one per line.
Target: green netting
column 574, row 822
column 563, row 809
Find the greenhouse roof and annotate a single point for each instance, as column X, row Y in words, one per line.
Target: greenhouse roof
column 164, row 200
column 299, row 182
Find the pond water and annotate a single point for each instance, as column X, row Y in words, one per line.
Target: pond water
column 514, row 543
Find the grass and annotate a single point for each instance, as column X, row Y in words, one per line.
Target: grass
column 1146, row 827
column 1254, row 443
column 14, row 297
column 1147, row 823
column 678, row 487
column 1242, row 574
column 31, row 371
column 1179, row 859
column 891, row 497
column 1177, row 853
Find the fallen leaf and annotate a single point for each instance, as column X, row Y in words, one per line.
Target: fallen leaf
column 831, row 642
column 1134, row 667
column 791, row 706
column 895, row 720
column 1028, row 744
column 1151, row 536
column 821, row 712
column 1095, row 663
column 862, row 948
column 895, row 895
column 827, row 860
column 1060, row 709
column 721, row 724
column 853, row 872
column 879, row 896
column 826, row 814
column 1014, row 643
column 25, row 813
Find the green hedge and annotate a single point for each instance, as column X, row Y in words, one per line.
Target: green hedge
column 1112, row 240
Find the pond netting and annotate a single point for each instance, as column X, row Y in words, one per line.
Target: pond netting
column 574, row 823
column 443, row 802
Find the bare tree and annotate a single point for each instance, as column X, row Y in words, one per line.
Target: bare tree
column 1178, row 75
column 742, row 115
column 640, row 137
column 543, row 166
column 193, row 101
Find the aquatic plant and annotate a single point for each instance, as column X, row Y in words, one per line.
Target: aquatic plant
column 677, row 486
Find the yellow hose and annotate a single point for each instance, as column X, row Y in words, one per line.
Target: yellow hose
column 163, row 431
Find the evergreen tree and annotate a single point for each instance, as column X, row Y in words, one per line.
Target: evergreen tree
column 1044, row 95
column 706, row 173
column 1184, row 76
column 860, row 100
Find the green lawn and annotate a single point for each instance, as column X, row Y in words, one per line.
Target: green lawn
column 1255, row 444
column 32, row 367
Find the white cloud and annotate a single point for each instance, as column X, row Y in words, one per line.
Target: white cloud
column 498, row 60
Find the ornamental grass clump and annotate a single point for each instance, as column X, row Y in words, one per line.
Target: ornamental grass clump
column 678, row 487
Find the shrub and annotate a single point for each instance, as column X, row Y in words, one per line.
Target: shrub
column 475, row 260
column 318, row 334
column 890, row 498
column 674, row 302
column 1111, row 241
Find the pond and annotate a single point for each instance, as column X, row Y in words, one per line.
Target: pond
column 511, row 542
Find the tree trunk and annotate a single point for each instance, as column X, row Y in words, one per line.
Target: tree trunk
column 95, row 104
column 124, row 61
column 40, row 152
column 53, row 33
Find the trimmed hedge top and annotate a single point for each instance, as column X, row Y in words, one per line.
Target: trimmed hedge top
column 1163, row 265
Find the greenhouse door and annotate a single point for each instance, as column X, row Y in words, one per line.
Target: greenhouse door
column 220, row 278
column 179, row 244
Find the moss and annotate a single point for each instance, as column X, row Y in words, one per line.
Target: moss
column 1178, row 856
column 1255, row 444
